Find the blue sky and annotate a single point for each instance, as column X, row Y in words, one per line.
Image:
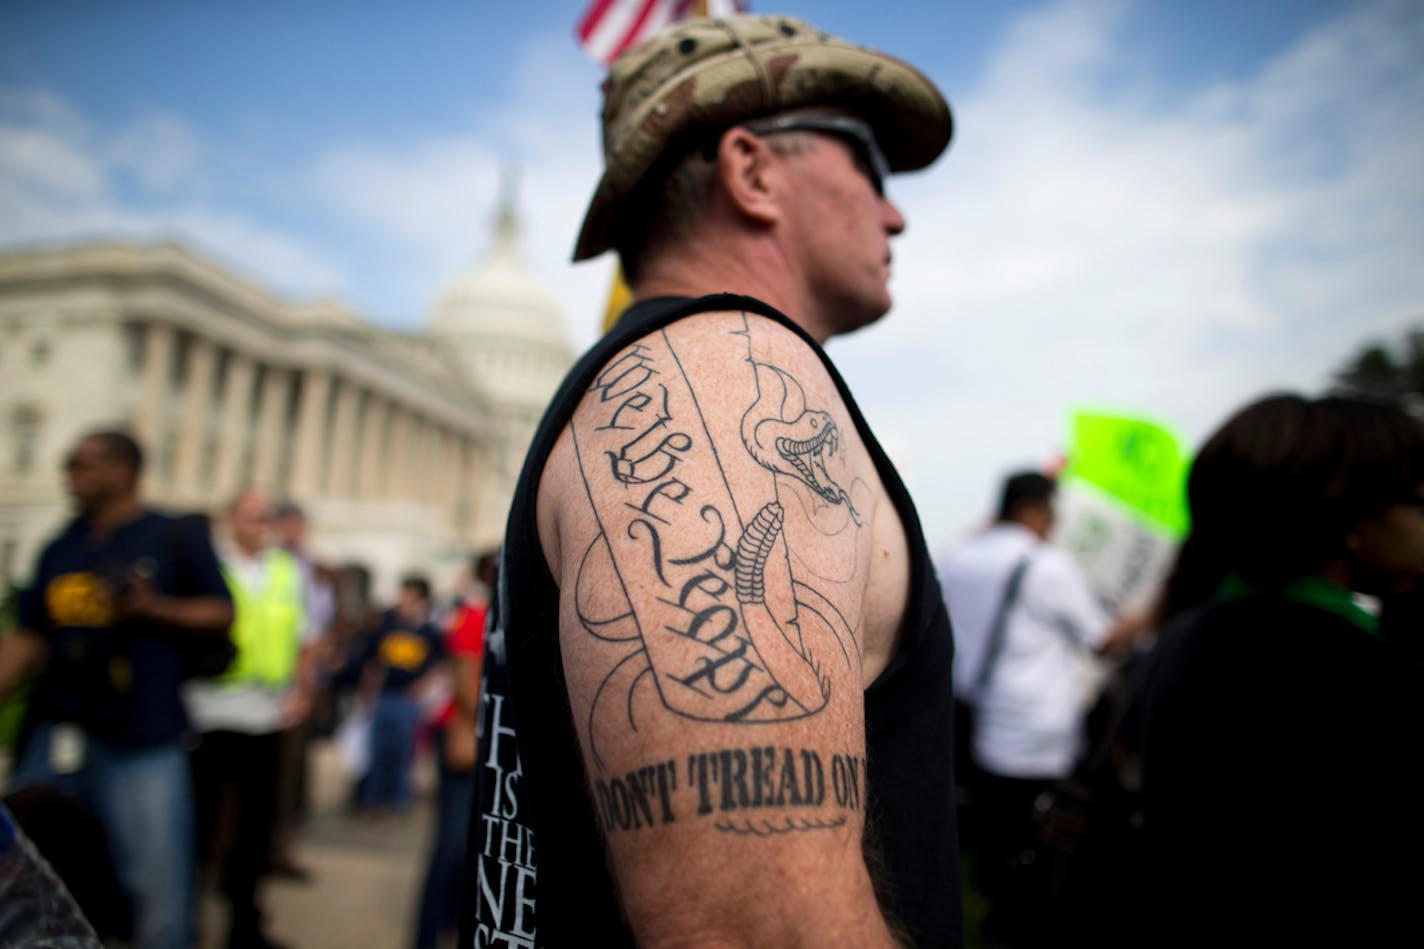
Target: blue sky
column 1161, row 207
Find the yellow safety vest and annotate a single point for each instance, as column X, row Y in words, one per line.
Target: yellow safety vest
column 267, row 622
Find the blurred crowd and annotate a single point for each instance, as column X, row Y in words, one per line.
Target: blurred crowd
column 1242, row 774
column 165, row 678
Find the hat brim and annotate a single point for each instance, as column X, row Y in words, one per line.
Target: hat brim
column 911, row 120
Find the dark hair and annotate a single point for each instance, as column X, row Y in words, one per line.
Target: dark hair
column 120, row 446
column 1022, row 488
column 288, row 508
column 1274, row 492
column 485, row 565
column 417, row 583
column 663, row 207
column 677, row 189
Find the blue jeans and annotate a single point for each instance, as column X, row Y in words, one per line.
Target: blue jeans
column 440, row 897
column 393, row 730
column 143, row 798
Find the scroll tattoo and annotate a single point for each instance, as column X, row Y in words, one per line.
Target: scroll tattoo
column 731, row 634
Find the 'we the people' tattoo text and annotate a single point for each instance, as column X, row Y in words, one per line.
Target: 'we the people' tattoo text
column 722, row 629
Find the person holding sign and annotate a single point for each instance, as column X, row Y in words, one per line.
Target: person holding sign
column 1021, row 611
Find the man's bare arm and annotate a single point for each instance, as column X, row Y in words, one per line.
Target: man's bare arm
column 712, row 510
column 467, row 683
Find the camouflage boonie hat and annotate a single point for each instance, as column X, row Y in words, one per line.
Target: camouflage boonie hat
column 704, row 76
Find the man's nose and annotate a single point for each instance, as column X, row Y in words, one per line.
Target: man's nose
column 894, row 220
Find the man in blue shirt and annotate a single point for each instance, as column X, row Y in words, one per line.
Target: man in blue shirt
column 404, row 651
column 102, row 625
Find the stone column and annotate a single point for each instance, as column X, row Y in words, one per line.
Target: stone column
column 268, row 439
column 428, row 487
column 396, row 454
column 462, row 501
column 416, row 457
column 236, row 431
column 311, row 446
column 445, row 475
column 374, row 450
column 452, row 473
column 149, row 419
column 341, row 466
column 197, row 406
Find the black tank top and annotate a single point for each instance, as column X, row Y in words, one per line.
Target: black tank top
column 541, row 875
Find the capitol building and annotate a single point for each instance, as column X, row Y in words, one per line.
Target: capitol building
column 402, row 447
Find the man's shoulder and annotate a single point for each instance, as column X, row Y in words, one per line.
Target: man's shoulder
column 995, row 545
column 631, row 371
column 69, row 534
column 151, row 518
column 151, row 527
column 692, row 319
column 1057, row 564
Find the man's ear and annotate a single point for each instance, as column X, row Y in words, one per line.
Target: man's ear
column 751, row 175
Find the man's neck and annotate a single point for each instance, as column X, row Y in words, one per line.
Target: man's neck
column 108, row 516
column 756, row 270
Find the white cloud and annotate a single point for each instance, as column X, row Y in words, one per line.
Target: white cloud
column 34, row 160
column 1081, row 249
column 159, row 151
column 62, row 179
column 437, row 197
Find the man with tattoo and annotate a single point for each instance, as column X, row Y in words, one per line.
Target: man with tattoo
column 717, row 702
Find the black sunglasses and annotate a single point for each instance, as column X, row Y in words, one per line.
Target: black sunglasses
column 869, row 159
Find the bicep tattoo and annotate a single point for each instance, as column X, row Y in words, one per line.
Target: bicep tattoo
column 736, row 607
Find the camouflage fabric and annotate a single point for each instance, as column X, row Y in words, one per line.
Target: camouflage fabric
column 707, row 75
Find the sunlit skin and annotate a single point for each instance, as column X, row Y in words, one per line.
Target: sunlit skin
column 802, row 229
column 251, row 521
column 842, row 228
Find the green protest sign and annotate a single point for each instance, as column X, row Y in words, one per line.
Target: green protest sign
column 1137, row 462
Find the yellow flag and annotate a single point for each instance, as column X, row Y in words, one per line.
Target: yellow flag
column 619, row 296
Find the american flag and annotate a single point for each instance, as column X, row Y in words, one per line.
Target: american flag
column 608, row 27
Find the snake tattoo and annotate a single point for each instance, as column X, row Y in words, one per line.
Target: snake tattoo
column 787, row 438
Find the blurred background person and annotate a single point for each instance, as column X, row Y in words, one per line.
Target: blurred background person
column 455, row 760
column 103, row 624
column 242, row 715
column 319, row 605
column 1021, row 612
column 1279, row 732
column 403, row 655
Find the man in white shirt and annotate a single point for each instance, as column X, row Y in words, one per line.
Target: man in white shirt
column 1022, row 613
